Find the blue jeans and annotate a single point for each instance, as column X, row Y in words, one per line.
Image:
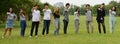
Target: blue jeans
column 112, row 24
column 57, row 26
column 9, row 23
column 23, row 27
column 46, row 27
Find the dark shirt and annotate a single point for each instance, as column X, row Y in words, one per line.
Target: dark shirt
column 56, row 15
column 100, row 14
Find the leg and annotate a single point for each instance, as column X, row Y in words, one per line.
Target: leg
column 22, row 28
column 32, row 29
column 36, row 31
column 44, row 27
column 110, row 26
column 76, row 26
column 48, row 25
column 65, row 26
column 10, row 31
column 99, row 27
column 103, row 24
column 56, row 27
column 4, row 33
column 91, row 25
column 114, row 24
column 87, row 26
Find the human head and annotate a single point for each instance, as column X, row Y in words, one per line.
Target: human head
column 77, row 10
column 46, row 5
column 56, row 10
column 67, row 5
column 10, row 10
column 113, row 8
column 36, row 6
column 87, row 6
column 102, row 5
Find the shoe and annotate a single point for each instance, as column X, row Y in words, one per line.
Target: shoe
column 3, row 37
column 36, row 36
column 30, row 36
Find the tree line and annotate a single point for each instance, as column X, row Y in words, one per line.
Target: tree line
column 28, row 4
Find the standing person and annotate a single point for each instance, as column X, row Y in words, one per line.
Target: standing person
column 76, row 19
column 22, row 22
column 11, row 17
column 47, row 19
column 89, row 20
column 56, row 15
column 100, row 18
column 35, row 20
column 112, row 19
column 66, row 17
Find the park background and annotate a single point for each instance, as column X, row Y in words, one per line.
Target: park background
column 71, row 38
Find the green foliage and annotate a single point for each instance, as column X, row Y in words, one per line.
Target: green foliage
column 16, row 5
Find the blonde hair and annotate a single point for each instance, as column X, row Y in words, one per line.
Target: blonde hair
column 56, row 10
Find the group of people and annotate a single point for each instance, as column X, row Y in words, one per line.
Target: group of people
column 36, row 19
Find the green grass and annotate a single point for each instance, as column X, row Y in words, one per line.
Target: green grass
column 71, row 38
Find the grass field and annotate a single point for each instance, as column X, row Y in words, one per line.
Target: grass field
column 71, row 38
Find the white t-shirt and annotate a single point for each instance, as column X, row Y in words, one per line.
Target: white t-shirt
column 35, row 15
column 47, row 14
column 76, row 15
column 11, row 16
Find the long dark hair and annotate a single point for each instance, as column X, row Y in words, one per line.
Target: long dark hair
column 114, row 9
column 9, row 10
column 77, row 9
column 22, row 12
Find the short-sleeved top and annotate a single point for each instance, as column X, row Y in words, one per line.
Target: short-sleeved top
column 56, row 15
column 35, row 15
column 88, row 14
column 76, row 16
column 22, row 17
column 112, row 14
column 11, row 16
column 66, row 15
column 47, row 14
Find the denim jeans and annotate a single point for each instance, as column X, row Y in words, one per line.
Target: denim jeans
column 112, row 24
column 46, row 27
column 57, row 26
column 65, row 26
column 23, row 27
column 76, row 25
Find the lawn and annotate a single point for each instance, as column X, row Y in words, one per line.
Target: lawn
column 71, row 38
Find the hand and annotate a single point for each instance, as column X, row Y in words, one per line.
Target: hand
column 109, row 10
column 101, row 18
column 44, row 9
column 99, row 8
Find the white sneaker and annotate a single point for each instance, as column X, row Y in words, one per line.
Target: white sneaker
column 36, row 36
column 3, row 37
column 30, row 36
